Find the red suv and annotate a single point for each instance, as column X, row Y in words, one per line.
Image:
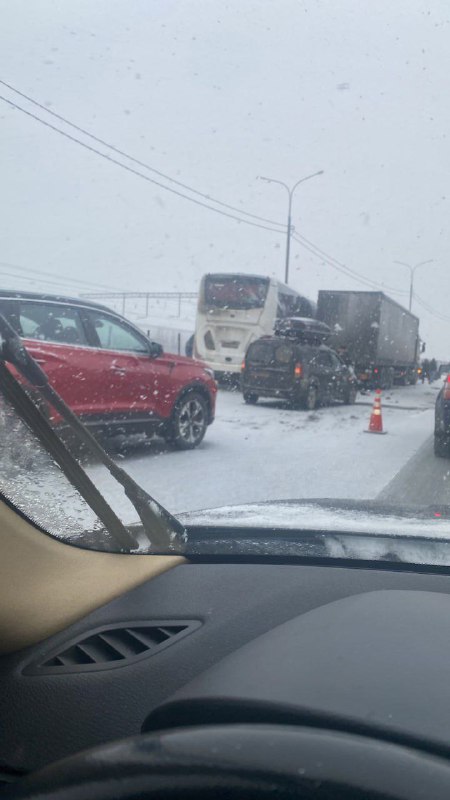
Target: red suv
column 109, row 373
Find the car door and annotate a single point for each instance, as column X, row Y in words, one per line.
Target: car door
column 128, row 376
column 55, row 336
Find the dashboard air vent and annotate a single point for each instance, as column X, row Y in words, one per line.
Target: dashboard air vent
column 112, row 646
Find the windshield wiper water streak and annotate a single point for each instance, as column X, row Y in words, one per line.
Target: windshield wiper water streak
column 159, row 525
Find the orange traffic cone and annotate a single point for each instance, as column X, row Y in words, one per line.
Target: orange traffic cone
column 376, row 419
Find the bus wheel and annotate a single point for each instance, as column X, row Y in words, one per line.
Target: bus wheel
column 250, row 398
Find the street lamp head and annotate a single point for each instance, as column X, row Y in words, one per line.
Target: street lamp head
column 422, row 263
column 268, row 180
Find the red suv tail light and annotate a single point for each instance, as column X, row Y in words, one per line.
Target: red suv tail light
column 243, row 365
column 447, row 389
column 298, row 370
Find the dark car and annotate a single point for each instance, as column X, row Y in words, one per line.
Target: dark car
column 442, row 421
column 113, row 377
column 298, row 368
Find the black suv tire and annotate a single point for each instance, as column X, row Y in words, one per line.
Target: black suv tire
column 250, row 398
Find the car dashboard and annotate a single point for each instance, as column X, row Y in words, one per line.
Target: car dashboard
column 360, row 650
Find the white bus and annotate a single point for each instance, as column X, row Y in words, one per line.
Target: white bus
column 234, row 310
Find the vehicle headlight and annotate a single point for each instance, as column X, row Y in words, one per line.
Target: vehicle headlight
column 209, row 372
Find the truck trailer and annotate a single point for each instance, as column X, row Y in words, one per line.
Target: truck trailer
column 375, row 334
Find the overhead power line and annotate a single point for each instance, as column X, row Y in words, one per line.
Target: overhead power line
column 136, row 160
column 58, row 278
column 431, row 311
column 41, row 281
column 352, row 271
column 135, row 171
column 56, row 284
column 337, row 265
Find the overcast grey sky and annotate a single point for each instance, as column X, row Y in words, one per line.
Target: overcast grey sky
column 214, row 94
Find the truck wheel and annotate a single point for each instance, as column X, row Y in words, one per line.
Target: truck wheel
column 311, row 399
column 250, row 398
column 441, row 446
column 189, row 421
column 350, row 395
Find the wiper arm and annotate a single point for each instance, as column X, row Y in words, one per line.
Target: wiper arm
column 159, row 525
column 31, row 414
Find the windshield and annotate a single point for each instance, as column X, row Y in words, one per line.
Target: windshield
column 235, row 292
column 169, row 168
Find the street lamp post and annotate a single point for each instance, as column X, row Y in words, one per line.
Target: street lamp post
column 412, row 269
column 290, row 192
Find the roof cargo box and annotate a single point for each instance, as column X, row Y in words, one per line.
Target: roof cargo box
column 302, row 328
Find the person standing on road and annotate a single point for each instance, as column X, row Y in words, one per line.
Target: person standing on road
column 189, row 347
column 432, row 371
column 425, row 369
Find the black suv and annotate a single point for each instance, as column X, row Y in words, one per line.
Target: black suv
column 295, row 365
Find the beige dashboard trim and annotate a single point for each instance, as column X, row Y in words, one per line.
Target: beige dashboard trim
column 45, row 585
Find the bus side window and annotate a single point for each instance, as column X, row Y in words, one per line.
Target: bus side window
column 303, row 308
column 280, row 306
column 286, row 305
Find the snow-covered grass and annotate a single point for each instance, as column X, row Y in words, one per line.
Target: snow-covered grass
column 268, row 451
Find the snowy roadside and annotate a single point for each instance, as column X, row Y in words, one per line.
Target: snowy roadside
column 267, row 451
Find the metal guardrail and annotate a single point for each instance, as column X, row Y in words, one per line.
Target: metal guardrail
column 147, row 296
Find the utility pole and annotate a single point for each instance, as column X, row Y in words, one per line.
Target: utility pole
column 412, row 269
column 290, row 192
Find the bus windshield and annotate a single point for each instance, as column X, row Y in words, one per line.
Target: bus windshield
column 235, row 291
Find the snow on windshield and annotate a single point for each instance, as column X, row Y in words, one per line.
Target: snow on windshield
column 32, row 481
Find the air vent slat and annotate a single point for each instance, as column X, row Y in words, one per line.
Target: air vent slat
column 99, row 650
column 75, row 655
column 171, row 630
column 148, row 637
column 123, row 643
column 56, row 662
column 112, row 646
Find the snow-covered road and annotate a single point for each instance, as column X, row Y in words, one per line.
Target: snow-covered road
column 268, row 451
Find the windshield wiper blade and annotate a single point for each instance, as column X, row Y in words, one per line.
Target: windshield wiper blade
column 159, row 525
